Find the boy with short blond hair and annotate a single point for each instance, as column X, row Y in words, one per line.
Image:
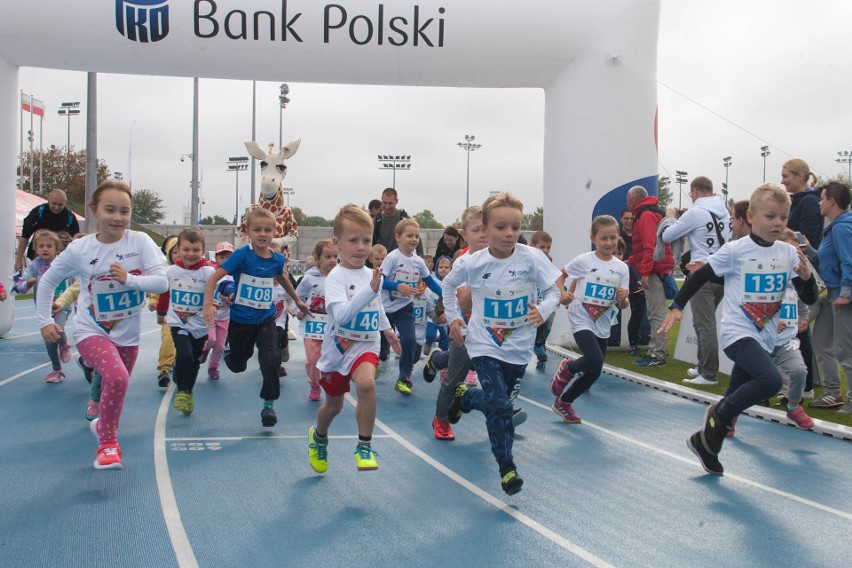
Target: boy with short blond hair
column 350, row 345
column 542, row 241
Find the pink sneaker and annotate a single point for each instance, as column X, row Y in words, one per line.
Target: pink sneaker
column 93, row 410
column 442, row 374
column 108, row 456
column 65, row 353
column 470, row 379
column 315, row 393
column 54, row 377
column 562, row 377
column 213, row 373
column 730, row 432
column 802, row 420
column 566, row 411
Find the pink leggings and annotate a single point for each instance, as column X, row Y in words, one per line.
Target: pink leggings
column 216, row 338
column 114, row 364
column 313, row 350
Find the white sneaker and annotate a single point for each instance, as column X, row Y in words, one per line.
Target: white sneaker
column 809, row 394
column 700, row 381
column 93, row 427
column 693, row 372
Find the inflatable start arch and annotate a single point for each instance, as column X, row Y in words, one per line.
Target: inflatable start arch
column 595, row 60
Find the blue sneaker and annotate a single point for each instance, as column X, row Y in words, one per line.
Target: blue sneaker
column 540, row 353
column 650, row 361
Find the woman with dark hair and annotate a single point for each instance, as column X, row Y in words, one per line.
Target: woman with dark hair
column 637, row 294
column 451, row 242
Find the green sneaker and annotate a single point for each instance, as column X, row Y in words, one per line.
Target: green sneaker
column 180, row 403
column 511, row 482
column 455, row 411
column 365, row 458
column 190, row 403
column 317, row 452
column 402, row 387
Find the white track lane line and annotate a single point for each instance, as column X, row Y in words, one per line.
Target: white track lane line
column 694, row 463
column 491, row 500
column 184, row 554
column 239, row 438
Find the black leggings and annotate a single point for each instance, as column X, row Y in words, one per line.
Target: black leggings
column 590, row 364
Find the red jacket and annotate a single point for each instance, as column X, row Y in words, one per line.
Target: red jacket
column 165, row 297
column 644, row 240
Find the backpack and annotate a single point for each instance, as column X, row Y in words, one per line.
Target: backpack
column 68, row 224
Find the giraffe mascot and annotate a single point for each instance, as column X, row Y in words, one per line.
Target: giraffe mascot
column 272, row 196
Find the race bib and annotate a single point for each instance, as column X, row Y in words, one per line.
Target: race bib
column 764, row 281
column 111, row 301
column 186, row 297
column 789, row 314
column 313, row 327
column 254, row 292
column 599, row 294
column 505, row 307
column 420, row 311
column 404, row 277
column 363, row 327
column 217, row 297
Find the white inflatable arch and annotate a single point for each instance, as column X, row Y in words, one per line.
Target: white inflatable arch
column 595, row 60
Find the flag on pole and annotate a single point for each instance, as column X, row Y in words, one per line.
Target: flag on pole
column 33, row 105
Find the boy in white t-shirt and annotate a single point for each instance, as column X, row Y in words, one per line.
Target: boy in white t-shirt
column 503, row 280
column 350, row 347
column 757, row 269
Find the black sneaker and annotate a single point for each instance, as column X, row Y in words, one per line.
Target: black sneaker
column 715, row 430
column 634, row 351
column 709, row 462
column 383, row 356
column 418, row 353
column 163, row 379
column 285, row 354
column 541, row 366
column 455, row 412
column 511, row 482
column 88, row 372
column 519, row 416
column 429, row 370
column 268, row 417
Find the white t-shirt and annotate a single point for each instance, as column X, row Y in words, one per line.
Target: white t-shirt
column 106, row 307
column 594, row 308
column 280, row 299
column 502, row 290
column 756, row 280
column 311, row 290
column 401, row 269
column 186, row 298
column 223, row 309
column 354, row 311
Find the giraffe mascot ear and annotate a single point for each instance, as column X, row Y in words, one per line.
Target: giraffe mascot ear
column 290, row 149
column 256, row 151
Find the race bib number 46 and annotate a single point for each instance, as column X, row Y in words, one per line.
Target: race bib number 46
column 254, row 292
column 505, row 307
column 364, row 326
column 111, row 301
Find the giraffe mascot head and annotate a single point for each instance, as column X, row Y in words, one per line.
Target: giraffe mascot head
column 273, row 171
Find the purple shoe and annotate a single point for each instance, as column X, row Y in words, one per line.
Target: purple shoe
column 566, row 411
column 562, row 377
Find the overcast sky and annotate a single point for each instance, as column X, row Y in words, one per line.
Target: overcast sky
column 733, row 76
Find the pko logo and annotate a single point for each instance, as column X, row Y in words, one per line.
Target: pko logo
column 142, row 20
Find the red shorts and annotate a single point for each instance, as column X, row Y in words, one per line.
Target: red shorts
column 335, row 384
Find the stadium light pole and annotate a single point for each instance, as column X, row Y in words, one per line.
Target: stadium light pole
column 680, row 179
column 846, row 158
column 237, row 164
column 388, row 162
column 284, row 90
column 726, row 161
column 468, row 146
column 764, row 152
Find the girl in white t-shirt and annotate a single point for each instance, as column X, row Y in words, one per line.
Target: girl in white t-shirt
column 600, row 289
column 116, row 268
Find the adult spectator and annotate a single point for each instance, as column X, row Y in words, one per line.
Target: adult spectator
column 450, row 243
column 384, row 230
column 835, row 263
column 707, row 225
column 805, row 215
column 375, row 207
column 52, row 215
column 647, row 214
column 739, row 220
column 637, row 295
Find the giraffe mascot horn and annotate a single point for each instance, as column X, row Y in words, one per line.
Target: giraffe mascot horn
column 273, row 170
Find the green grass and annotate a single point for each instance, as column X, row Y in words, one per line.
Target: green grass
column 675, row 372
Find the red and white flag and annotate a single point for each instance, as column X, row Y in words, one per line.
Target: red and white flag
column 32, row 104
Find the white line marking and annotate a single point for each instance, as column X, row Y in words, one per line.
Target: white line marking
column 29, row 318
column 694, row 463
column 239, row 438
column 171, row 514
column 22, row 335
column 491, row 500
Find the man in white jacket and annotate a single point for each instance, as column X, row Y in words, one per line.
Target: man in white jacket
column 707, row 225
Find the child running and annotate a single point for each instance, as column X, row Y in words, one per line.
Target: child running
column 116, row 267
column 603, row 283
column 756, row 270
column 47, row 246
column 254, row 267
column 350, row 347
column 218, row 333
column 436, row 325
column 543, row 242
column 183, row 304
column 503, row 280
column 311, row 290
column 167, row 347
column 402, row 270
